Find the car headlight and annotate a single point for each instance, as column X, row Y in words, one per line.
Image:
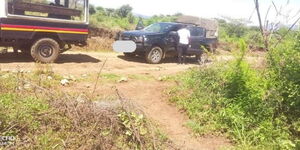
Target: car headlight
column 139, row 39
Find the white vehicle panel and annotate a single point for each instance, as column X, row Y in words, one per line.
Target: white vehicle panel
column 124, row 46
column 2, row 8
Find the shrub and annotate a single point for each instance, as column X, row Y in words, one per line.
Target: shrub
column 257, row 109
column 41, row 117
column 284, row 83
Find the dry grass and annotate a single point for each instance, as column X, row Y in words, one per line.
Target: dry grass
column 51, row 119
column 100, row 39
column 97, row 44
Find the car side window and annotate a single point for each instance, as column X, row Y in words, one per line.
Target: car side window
column 197, row 31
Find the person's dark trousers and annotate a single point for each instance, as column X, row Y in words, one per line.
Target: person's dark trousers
column 182, row 50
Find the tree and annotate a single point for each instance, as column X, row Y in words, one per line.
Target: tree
column 124, row 11
column 140, row 24
column 131, row 18
column 100, row 9
column 110, row 11
column 234, row 28
column 178, row 14
column 92, row 10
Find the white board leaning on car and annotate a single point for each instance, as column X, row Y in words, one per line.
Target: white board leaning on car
column 124, row 46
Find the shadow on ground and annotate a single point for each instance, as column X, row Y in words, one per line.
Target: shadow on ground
column 189, row 60
column 63, row 58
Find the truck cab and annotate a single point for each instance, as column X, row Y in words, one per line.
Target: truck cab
column 43, row 28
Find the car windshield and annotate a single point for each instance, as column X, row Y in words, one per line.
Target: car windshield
column 159, row 28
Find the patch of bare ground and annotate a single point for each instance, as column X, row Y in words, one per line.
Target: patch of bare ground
column 150, row 96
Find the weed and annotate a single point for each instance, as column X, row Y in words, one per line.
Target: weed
column 45, row 118
column 257, row 109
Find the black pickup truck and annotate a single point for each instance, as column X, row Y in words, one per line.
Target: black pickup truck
column 158, row 41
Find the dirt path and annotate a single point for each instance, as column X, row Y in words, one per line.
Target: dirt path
column 78, row 63
column 154, row 103
column 147, row 94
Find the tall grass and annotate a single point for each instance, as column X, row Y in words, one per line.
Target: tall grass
column 257, row 109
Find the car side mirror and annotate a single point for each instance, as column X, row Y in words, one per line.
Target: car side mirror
column 173, row 33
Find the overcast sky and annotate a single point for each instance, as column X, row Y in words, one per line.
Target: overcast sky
column 201, row 8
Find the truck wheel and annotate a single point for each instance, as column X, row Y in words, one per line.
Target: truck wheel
column 45, row 50
column 154, row 56
column 129, row 54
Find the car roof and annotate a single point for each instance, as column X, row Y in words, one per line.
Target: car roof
column 175, row 23
column 178, row 23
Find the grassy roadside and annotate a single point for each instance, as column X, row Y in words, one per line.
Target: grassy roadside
column 254, row 106
column 38, row 115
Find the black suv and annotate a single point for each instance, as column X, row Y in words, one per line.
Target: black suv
column 158, row 41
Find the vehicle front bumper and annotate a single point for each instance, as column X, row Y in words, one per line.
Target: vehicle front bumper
column 142, row 47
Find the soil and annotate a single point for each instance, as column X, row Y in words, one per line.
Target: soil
column 148, row 94
column 78, row 63
column 154, row 102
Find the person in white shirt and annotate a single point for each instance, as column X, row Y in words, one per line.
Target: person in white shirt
column 183, row 44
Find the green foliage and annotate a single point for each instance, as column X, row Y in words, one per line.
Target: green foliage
column 124, row 11
column 131, row 19
column 41, row 117
column 258, row 109
column 135, row 126
column 232, row 31
column 107, row 21
column 92, row 9
column 20, row 112
column 284, row 70
column 122, row 18
column 110, row 12
column 160, row 18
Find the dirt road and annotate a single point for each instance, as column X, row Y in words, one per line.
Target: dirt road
column 148, row 94
column 78, row 63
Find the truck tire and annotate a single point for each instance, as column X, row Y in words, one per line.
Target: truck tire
column 45, row 50
column 155, row 55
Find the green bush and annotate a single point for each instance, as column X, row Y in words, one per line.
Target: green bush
column 257, row 109
column 122, row 18
column 284, row 85
column 20, row 112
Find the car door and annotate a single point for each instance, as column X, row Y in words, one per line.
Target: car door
column 171, row 39
column 196, row 40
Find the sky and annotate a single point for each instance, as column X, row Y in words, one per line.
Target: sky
column 206, row 8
